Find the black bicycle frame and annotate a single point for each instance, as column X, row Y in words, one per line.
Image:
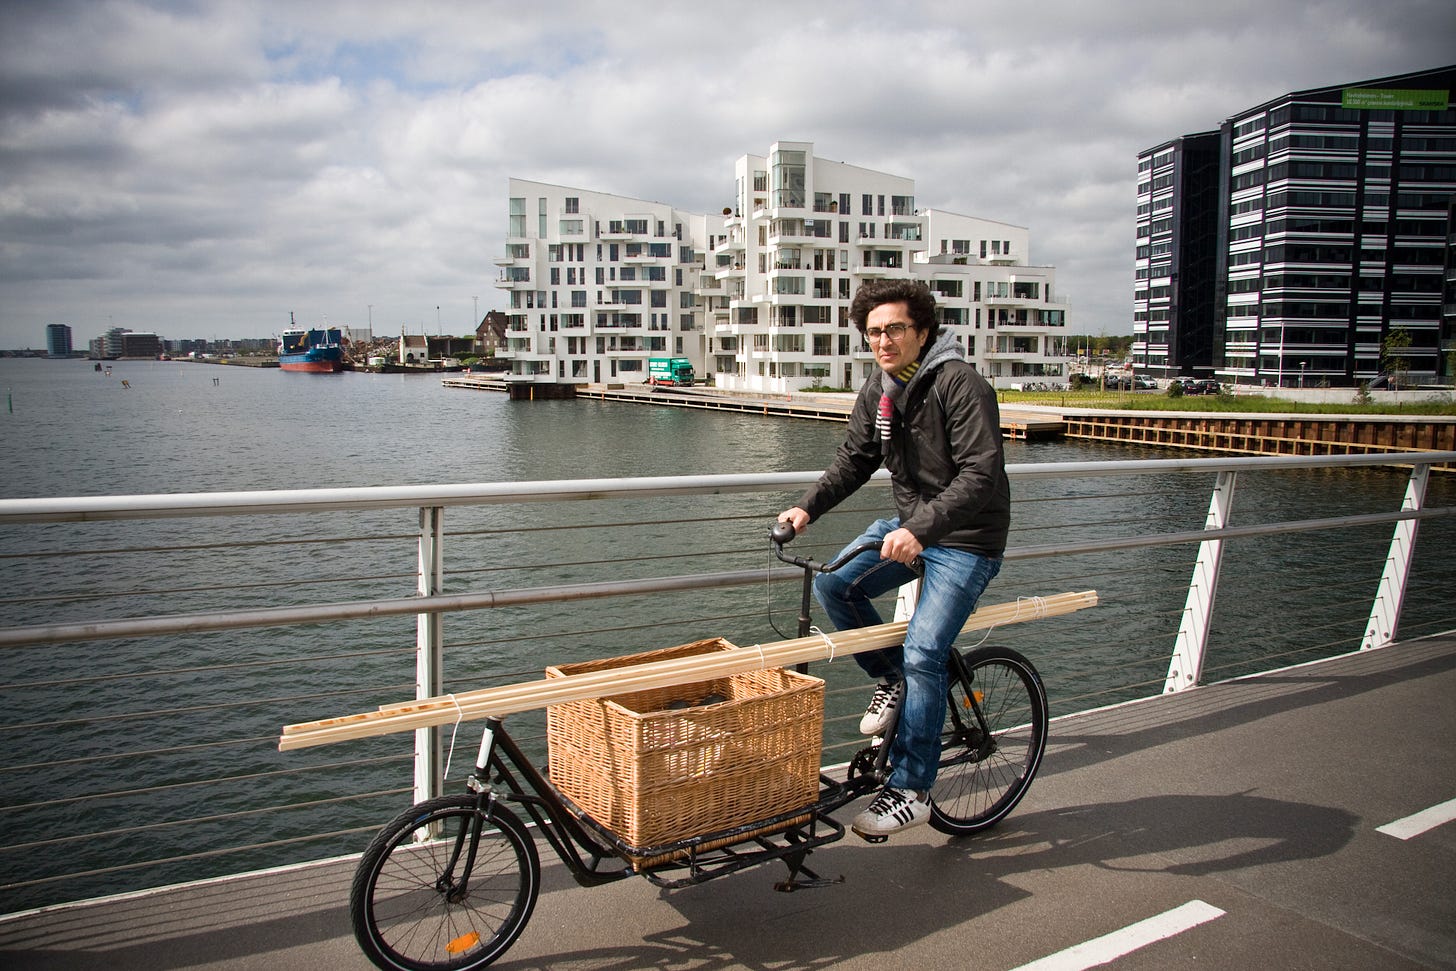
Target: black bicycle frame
column 503, row 773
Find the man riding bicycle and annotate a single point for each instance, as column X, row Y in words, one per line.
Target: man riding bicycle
column 932, row 420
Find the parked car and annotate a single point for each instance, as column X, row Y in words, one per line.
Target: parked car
column 1140, row 383
column 1201, row 386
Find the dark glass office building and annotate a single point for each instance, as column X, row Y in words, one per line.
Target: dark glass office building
column 1315, row 250
column 58, row 340
column 1177, row 256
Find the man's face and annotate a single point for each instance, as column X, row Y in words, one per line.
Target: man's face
column 893, row 355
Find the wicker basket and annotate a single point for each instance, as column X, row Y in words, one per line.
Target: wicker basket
column 654, row 775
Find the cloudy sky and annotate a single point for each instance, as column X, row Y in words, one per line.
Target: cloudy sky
column 202, row 169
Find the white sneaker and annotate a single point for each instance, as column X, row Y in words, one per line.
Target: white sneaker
column 892, row 811
column 881, row 712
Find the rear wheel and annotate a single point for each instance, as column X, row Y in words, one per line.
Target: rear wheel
column 992, row 742
column 446, row 886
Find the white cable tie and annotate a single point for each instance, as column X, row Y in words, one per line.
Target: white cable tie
column 459, row 717
column 815, row 630
column 1038, row 608
column 762, row 660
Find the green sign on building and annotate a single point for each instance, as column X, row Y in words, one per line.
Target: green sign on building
column 1398, row 99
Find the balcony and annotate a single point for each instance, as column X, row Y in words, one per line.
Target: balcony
column 879, row 268
column 618, row 229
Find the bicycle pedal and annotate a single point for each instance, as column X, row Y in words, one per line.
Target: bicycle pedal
column 871, row 837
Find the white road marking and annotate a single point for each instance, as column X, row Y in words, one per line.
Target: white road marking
column 1404, row 829
column 1110, row 947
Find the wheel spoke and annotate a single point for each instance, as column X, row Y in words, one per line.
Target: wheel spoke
column 993, row 741
column 415, row 907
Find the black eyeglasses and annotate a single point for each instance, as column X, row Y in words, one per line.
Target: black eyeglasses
column 893, row 331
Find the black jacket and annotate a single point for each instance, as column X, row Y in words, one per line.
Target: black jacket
column 946, row 462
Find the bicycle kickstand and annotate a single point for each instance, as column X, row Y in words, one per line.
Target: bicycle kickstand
column 795, row 863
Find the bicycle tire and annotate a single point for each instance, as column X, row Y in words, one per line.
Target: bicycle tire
column 408, row 918
column 984, row 773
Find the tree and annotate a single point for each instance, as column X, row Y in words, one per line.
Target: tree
column 1394, row 356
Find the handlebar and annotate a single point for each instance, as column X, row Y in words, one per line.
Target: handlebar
column 783, row 533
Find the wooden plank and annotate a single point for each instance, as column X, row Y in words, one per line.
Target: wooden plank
column 508, row 699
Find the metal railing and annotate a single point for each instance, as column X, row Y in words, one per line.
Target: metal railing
column 157, row 643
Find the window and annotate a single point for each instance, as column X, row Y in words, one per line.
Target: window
column 571, row 204
column 788, row 179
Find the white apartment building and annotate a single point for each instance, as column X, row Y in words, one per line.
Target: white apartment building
column 805, row 232
column 759, row 297
column 598, row 284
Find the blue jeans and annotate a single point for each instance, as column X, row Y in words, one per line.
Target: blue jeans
column 953, row 583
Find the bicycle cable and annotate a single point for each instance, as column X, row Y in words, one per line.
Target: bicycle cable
column 768, row 594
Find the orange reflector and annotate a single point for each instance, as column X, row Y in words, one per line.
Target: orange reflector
column 463, row 943
column 980, row 697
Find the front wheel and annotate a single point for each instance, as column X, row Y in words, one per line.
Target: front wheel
column 446, row 886
column 992, row 742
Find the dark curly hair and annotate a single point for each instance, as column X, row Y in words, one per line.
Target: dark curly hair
column 916, row 297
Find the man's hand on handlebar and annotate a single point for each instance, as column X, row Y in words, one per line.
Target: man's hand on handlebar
column 796, row 518
column 901, row 546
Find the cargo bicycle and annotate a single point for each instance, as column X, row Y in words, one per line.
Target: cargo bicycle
column 451, row 883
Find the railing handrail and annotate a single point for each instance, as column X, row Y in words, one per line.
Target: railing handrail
column 285, row 501
column 297, row 501
column 480, row 600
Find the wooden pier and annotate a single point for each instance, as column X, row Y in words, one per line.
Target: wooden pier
column 1019, row 425
column 1239, row 434
column 1266, row 434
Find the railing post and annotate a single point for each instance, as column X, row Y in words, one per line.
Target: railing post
column 429, row 651
column 905, row 600
column 1390, row 595
column 1186, row 667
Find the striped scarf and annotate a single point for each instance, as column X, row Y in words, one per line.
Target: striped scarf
column 945, row 348
column 891, row 387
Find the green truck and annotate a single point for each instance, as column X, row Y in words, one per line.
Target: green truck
column 670, row 370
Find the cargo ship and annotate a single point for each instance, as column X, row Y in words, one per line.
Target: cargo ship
column 316, row 349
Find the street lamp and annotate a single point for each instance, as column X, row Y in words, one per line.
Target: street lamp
column 1301, row 374
column 438, row 331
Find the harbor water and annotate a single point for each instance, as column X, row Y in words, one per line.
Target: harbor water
column 181, row 427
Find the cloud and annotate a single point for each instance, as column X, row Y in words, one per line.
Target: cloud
column 200, row 169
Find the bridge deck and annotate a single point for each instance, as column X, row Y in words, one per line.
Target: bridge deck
column 1236, row 826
